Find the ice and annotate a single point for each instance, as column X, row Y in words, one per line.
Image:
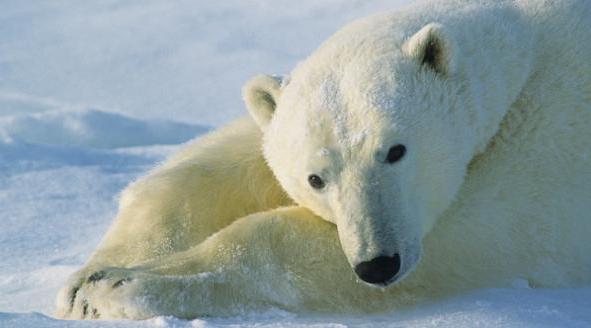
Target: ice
column 94, row 93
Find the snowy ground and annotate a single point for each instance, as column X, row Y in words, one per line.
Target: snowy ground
column 88, row 90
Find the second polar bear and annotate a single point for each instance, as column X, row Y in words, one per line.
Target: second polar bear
column 414, row 155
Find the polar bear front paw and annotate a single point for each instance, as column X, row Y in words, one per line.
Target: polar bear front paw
column 104, row 293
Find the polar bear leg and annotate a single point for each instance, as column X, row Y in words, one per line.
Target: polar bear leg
column 202, row 189
column 205, row 187
column 287, row 258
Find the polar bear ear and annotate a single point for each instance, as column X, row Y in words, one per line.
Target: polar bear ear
column 260, row 95
column 432, row 47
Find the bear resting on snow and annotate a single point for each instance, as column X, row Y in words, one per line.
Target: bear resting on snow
column 414, row 155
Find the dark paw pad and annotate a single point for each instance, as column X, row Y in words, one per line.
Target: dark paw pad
column 96, row 276
column 73, row 296
column 89, row 312
column 122, row 282
column 84, row 308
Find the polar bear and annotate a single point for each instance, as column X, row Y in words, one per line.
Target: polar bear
column 414, row 155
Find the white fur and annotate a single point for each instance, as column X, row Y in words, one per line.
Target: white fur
column 495, row 184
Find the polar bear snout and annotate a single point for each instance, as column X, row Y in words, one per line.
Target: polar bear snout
column 380, row 270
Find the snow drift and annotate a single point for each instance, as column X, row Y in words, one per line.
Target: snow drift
column 92, row 128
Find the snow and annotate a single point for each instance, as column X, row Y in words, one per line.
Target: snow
column 487, row 308
column 92, row 128
column 94, row 93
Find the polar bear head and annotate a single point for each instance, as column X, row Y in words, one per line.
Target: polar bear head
column 365, row 134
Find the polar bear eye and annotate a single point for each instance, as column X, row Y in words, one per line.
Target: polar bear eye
column 395, row 153
column 315, row 181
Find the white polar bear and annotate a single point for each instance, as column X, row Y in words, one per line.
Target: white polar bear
column 446, row 146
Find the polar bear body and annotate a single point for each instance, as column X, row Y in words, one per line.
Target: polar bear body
column 492, row 101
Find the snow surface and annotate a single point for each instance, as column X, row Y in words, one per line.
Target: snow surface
column 93, row 93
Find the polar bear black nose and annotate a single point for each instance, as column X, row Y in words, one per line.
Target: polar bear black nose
column 379, row 270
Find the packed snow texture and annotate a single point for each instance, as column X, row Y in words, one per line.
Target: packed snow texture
column 94, row 93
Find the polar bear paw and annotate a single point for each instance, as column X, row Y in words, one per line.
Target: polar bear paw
column 104, row 293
